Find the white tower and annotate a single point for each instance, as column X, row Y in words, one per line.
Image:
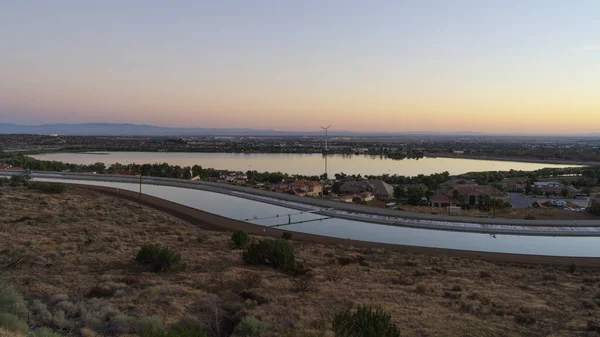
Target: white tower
column 325, row 128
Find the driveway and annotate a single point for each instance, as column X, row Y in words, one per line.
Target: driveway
column 519, row 200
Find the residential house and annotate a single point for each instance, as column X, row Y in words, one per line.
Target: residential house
column 234, row 177
column 556, row 188
column 301, row 187
column 8, row 167
column 546, row 184
column 366, row 196
column 350, row 198
column 125, row 172
column 442, row 200
column 514, row 184
column 362, row 197
column 380, row 189
column 473, row 194
column 457, row 181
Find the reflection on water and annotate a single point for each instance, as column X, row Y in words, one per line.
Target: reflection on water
column 241, row 209
column 306, row 164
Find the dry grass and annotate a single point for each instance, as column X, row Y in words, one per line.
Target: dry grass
column 78, row 244
column 6, row 333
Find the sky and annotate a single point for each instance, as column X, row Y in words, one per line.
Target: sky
column 427, row 65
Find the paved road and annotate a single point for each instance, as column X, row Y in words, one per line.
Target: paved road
column 519, row 200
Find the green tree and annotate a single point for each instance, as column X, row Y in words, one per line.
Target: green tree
column 399, row 192
column 594, row 207
column 415, row 194
column 335, row 188
column 564, row 192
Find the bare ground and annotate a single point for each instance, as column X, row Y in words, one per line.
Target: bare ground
column 75, row 253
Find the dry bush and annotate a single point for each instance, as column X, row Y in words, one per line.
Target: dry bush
column 251, row 280
column 12, row 258
column 303, row 283
column 421, row 289
column 333, row 273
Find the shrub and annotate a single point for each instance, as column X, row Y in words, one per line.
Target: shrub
column 451, row 295
column 12, row 323
column 45, row 332
column 484, row 274
column 419, row 273
column 282, row 255
column 151, row 327
column 364, row 322
column 53, row 188
column 17, row 180
column 185, row 329
column 594, row 207
column 302, row 283
column 279, row 253
column 160, row 258
column 11, row 301
column 257, row 252
column 522, row 318
column 240, row 238
column 250, row 327
column 593, row 326
column 100, row 292
column 421, row 289
column 405, row 281
column 286, row 235
column 456, row 288
column 572, row 268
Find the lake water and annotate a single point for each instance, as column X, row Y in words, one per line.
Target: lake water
column 306, row 164
column 241, row 209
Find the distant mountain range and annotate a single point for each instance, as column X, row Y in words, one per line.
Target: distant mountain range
column 121, row 129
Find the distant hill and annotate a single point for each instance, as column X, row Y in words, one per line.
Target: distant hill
column 124, row 129
column 113, row 129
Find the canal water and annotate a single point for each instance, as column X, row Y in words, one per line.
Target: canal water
column 247, row 210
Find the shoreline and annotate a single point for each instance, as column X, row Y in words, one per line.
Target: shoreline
column 515, row 160
column 215, row 222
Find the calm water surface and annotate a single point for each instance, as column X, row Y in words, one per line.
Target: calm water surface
column 306, row 164
column 242, row 209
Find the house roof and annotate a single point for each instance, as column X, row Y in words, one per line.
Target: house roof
column 458, row 181
column 4, row 166
column 441, row 198
column 514, row 181
column 381, row 187
column 471, row 190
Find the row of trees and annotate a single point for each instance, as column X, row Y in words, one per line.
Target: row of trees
column 582, row 176
column 432, row 181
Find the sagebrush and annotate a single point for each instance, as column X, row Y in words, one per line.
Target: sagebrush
column 160, row 258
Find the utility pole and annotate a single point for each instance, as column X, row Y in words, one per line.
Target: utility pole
column 140, row 189
column 326, row 128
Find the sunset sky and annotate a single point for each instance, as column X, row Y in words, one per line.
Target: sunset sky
column 490, row 66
